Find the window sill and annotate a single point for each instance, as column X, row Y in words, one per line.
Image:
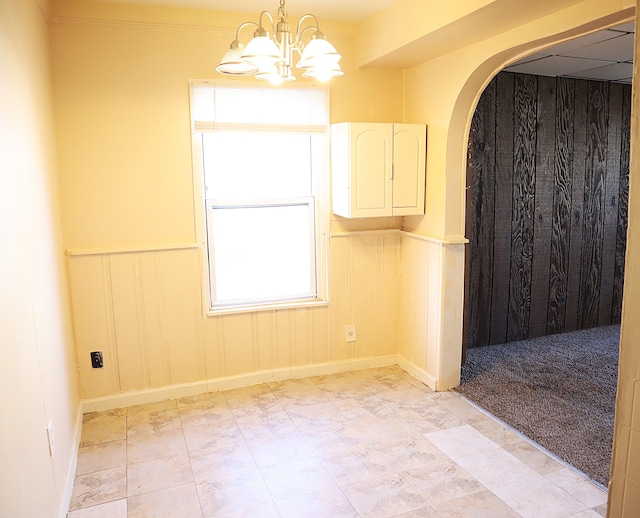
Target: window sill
column 232, row 310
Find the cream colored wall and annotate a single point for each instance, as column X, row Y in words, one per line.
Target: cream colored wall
column 624, row 488
column 120, row 82
column 142, row 307
column 442, row 92
column 38, row 381
column 121, row 99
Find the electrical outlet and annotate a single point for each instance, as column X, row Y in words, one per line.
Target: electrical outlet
column 96, row 360
column 350, row 333
column 52, row 441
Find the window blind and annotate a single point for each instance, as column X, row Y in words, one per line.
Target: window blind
column 275, row 109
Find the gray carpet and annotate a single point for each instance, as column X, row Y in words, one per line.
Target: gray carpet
column 558, row 390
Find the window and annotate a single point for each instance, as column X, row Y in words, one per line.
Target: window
column 261, row 155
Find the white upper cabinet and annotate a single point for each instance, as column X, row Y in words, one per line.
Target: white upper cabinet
column 378, row 169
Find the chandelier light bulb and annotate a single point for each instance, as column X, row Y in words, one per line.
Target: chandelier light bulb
column 323, row 74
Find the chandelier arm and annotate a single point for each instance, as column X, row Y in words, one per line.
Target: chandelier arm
column 242, row 26
column 268, row 15
column 297, row 44
column 300, row 32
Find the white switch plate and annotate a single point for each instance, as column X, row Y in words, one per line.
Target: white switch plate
column 350, row 333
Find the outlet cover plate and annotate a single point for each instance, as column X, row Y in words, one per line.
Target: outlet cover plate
column 350, row 333
column 96, row 360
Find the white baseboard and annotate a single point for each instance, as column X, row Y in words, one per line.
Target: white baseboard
column 73, row 465
column 139, row 397
column 418, row 373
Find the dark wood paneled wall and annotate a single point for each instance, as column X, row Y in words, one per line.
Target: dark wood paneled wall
column 547, row 187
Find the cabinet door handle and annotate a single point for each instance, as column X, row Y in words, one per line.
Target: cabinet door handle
column 390, row 171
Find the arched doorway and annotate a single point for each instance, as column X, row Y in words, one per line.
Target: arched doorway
column 547, row 190
column 584, row 319
column 444, row 92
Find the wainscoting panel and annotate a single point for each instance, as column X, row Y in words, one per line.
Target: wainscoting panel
column 431, row 308
column 93, row 325
column 546, row 222
column 414, row 314
column 373, row 301
column 340, row 311
column 237, row 341
column 143, row 309
column 128, row 305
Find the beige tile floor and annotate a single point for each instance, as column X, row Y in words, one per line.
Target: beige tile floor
column 369, row 443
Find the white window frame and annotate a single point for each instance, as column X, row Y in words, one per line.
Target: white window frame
column 309, row 203
column 320, row 204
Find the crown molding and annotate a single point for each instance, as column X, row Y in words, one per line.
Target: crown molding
column 163, row 18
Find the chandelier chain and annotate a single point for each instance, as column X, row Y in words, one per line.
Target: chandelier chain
column 282, row 12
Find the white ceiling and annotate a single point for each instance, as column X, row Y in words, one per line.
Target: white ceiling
column 341, row 10
column 606, row 55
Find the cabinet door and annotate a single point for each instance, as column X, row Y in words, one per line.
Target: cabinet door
column 371, row 171
column 409, row 151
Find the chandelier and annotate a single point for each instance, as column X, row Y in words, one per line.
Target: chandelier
column 270, row 56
